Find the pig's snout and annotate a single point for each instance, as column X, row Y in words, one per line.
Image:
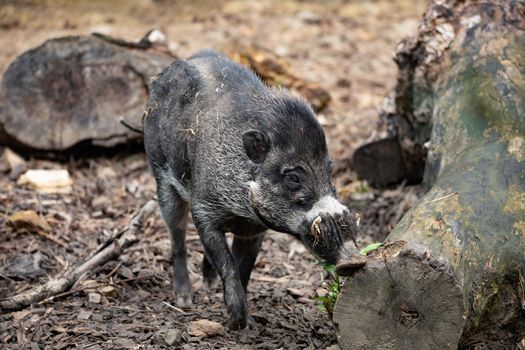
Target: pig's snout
column 333, row 238
column 350, row 259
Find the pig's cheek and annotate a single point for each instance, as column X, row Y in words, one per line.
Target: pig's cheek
column 296, row 222
column 325, row 205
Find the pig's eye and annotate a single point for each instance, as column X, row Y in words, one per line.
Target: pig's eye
column 292, row 181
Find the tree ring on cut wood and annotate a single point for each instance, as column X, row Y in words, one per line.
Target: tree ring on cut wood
column 424, row 311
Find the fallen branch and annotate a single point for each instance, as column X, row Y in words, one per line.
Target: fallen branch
column 107, row 251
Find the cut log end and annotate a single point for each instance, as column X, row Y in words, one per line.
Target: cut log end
column 411, row 302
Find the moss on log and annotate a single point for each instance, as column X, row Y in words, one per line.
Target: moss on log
column 453, row 271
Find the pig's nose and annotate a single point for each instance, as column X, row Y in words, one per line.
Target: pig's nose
column 350, row 260
column 350, row 266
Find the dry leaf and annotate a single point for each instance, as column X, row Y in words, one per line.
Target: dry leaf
column 30, row 220
column 204, row 328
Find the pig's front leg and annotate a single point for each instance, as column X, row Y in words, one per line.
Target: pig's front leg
column 209, row 275
column 217, row 252
column 245, row 251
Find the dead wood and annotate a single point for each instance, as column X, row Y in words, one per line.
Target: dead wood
column 74, row 90
column 107, row 251
column 452, row 273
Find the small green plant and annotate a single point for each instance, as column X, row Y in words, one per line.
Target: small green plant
column 370, row 248
column 327, row 302
column 362, row 187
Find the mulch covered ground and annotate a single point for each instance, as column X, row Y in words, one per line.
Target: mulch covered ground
column 345, row 47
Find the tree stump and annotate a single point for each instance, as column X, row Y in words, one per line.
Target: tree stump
column 452, row 273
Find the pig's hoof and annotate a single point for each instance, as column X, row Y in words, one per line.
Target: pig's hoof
column 210, row 281
column 184, row 301
column 252, row 323
column 236, row 324
column 348, row 267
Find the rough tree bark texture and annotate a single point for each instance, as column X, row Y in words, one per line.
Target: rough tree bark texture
column 453, row 270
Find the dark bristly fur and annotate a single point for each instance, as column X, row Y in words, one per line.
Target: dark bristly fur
column 242, row 157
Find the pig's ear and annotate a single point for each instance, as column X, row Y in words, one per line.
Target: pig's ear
column 256, row 143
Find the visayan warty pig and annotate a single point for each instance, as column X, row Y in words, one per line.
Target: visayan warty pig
column 243, row 158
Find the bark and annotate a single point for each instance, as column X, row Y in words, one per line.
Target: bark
column 75, row 89
column 452, row 272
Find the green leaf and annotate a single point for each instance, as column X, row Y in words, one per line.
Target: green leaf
column 370, row 248
column 322, row 299
column 328, row 267
column 334, row 288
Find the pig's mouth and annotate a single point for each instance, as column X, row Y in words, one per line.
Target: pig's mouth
column 332, row 237
column 269, row 224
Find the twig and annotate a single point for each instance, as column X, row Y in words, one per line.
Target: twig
column 51, row 238
column 173, row 307
column 69, row 292
column 108, row 251
column 114, row 270
column 441, row 198
column 6, row 277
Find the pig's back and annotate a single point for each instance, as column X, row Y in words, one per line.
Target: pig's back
column 224, row 107
column 224, row 77
column 167, row 123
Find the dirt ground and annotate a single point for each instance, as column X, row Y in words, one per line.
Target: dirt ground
column 345, row 46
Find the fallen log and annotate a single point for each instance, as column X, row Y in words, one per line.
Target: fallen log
column 109, row 250
column 452, row 273
column 75, row 89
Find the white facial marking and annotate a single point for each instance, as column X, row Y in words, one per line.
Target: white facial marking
column 327, row 205
column 254, row 186
column 254, row 189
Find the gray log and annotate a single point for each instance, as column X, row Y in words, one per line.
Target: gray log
column 74, row 89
